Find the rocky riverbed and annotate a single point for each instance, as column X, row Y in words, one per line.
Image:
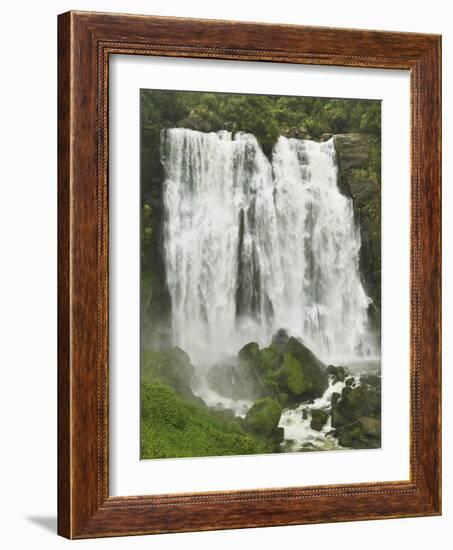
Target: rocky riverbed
column 280, row 398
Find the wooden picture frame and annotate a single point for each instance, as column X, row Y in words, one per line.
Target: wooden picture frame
column 85, row 42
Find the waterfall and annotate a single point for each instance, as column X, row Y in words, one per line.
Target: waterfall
column 252, row 246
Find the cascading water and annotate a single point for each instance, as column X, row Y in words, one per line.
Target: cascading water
column 252, row 246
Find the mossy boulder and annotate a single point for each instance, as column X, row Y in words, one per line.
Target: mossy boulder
column 291, row 376
column 318, row 419
column 196, row 121
column 370, row 426
column 305, row 374
column 371, row 380
column 171, row 367
column 280, row 337
column 355, row 403
column 287, row 367
column 338, row 374
column 335, row 397
column 233, row 381
column 263, row 417
column 356, row 417
column 283, row 399
column 249, row 352
column 364, row 433
column 345, row 391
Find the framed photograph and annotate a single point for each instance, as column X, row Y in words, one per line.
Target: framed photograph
column 249, row 275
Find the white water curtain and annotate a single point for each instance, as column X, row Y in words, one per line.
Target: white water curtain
column 253, row 245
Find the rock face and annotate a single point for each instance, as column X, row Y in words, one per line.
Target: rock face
column 353, row 151
column 195, row 122
column 297, row 132
column 358, row 157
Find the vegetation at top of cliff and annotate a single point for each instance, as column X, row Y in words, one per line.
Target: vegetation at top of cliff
column 265, row 116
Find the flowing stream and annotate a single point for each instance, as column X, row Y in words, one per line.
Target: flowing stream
column 253, row 245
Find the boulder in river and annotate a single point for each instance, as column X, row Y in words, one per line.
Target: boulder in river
column 356, row 417
column 364, row 433
column 338, row 374
column 355, row 403
column 318, row 419
column 287, row 367
column 263, row 417
column 233, row 381
column 371, row 380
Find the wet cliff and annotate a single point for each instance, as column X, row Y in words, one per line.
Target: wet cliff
column 359, row 177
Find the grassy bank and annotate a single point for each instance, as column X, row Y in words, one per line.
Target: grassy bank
column 173, row 427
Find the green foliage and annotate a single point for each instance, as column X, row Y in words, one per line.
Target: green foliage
column 266, row 117
column 370, row 119
column 263, row 417
column 172, row 427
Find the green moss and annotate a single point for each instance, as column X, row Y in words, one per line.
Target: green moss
column 292, row 376
column 269, row 359
column 282, row 398
column 172, row 427
column 286, row 370
column 263, row 417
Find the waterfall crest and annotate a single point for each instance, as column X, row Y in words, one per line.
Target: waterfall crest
column 252, row 246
